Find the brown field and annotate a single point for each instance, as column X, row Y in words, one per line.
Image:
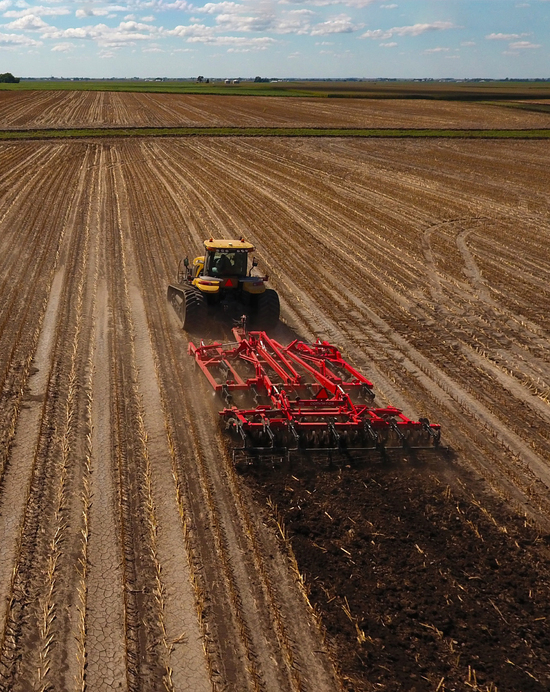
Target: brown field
column 134, row 556
column 41, row 109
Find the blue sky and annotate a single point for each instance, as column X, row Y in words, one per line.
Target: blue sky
column 276, row 38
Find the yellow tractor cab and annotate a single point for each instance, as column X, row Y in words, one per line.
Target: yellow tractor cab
column 221, row 283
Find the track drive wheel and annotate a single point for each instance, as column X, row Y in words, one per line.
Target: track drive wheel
column 267, row 310
column 192, row 309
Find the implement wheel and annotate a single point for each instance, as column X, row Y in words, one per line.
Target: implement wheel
column 190, row 306
column 267, row 311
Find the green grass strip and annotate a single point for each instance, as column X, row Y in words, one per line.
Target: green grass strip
column 82, row 133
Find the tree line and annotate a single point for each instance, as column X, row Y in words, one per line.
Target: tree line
column 8, row 78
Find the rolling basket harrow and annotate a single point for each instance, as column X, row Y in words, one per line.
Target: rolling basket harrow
column 301, row 396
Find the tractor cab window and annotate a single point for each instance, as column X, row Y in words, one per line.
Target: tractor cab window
column 221, row 263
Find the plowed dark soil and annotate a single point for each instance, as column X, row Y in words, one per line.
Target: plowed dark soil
column 423, row 580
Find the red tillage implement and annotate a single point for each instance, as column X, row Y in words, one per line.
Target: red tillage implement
column 302, row 396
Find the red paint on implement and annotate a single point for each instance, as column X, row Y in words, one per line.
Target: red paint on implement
column 309, row 391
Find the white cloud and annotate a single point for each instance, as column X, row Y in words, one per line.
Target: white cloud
column 354, row 3
column 200, row 33
column 504, row 37
column 17, row 40
column 468, row 43
column 176, row 5
column 436, row 50
column 220, row 8
column 238, row 41
column 38, row 11
column 92, row 12
column 192, row 31
column 148, row 19
column 326, row 3
column 4, row 4
column 27, row 23
column 234, row 22
column 389, row 7
column 289, row 22
column 413, row 30
column 126, row 33
column 524, row 45
column 342, row 24
column 294, row 22
column 66, row 47
column 392, row 44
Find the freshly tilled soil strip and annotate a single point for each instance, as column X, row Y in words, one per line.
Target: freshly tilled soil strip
column 418, row 578
column 112, row 132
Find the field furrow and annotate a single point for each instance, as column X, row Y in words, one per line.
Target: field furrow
column 134, row 553
column 42, row 109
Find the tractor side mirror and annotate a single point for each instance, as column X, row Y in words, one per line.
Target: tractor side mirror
column 186, row 262
column 254, row 264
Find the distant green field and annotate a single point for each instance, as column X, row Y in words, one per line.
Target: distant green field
column 531, row 107
column 450, row 91
column 270, row 132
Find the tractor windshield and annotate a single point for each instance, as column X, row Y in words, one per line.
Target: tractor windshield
column 226, row 263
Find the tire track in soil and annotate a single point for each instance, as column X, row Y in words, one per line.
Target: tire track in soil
column 211, row 482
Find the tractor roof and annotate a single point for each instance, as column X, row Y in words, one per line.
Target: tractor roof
column 223, row 244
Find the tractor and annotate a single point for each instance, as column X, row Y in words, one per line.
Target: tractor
column 221, row 284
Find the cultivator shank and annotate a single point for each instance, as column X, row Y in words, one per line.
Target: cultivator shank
column 301, row 396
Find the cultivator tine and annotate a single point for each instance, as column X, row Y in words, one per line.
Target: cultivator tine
column 369, row 431
column 434, row 433
column 268, row 431
column 399, row 434
column 295, row 436
column 226, row 395
column 234, row 425
column 367, row 393
column 334, row 433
